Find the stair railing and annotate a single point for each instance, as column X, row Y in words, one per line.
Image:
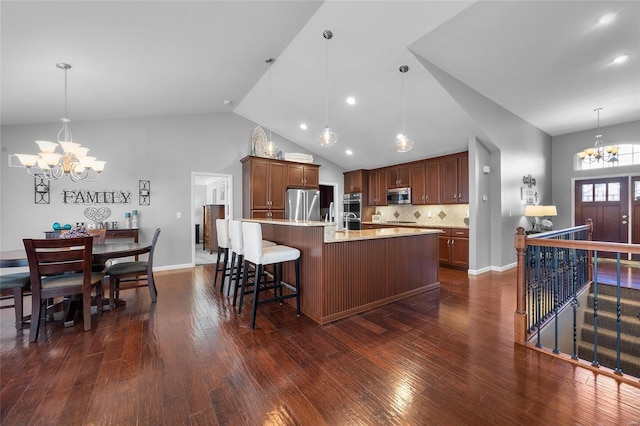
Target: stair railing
column 552, row 269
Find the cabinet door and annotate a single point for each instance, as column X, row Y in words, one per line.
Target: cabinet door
column 353, row 182
column 417, row 181
column 449, row 182
column 404, row 174
column 460, row 252
column 444, row 249
column 277, row 214
column 432, row 182
column 372, row 193
column 277, row 185
column 382, row 188
column 259, row 184
column 311, row 177
column 463, row 179
column 295, row 176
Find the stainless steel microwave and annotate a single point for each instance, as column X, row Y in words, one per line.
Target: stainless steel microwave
column 399, row 196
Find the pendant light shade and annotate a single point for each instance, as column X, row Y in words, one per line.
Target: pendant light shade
column 403, row 143
column 327, row 137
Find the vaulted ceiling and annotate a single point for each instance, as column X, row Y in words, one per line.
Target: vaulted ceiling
column 548, row 62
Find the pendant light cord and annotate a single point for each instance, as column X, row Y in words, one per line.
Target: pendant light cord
column 66, row 98
column 326, row 73
column 270, row 102
column 403, row 103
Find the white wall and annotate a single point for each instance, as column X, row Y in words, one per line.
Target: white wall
column 517, row 149
column 565, row 147
column 164, row 150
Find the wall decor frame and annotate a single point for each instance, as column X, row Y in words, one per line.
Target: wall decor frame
column 144, row 189
column 41, row 191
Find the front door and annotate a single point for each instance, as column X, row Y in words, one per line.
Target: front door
column 606, row 202
column 635, row 214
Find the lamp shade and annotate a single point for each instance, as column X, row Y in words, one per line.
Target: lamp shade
column 533, row 211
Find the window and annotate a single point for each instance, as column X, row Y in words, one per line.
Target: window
column 601, row 192
column 628, row 155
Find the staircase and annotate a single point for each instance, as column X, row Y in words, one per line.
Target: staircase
column 607, row 321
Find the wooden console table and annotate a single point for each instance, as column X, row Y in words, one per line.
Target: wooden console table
column 111, row 234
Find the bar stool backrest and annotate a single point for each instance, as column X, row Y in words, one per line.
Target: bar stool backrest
column 252, row 239
column 222, row 228
column 235, row 233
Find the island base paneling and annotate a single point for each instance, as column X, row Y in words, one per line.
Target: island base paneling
column 345, row 278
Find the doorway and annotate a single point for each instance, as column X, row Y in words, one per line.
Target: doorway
column 207, row 189
column 606, row 201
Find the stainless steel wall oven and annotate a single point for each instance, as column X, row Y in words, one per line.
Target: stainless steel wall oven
column 352, row 211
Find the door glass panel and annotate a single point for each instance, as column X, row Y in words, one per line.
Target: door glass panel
column 614, row 192
column 636, row 190
column 587, row 193
column 600, row 193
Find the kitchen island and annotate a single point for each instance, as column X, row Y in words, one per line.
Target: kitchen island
column 345, row 273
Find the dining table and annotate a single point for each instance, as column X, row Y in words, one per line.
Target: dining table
column 101, row 253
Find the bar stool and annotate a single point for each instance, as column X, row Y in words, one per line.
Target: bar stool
column 260, row 257
column 237, row 250
column 224, row 242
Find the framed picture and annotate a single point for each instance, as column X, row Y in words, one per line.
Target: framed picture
column 528, row 195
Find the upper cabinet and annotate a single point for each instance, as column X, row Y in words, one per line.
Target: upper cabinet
column 454, row 185
column 398, row 176
column 355, row 181
column 425, row 182
column 438, row 180
column 303, row 176
column 265, row 182
column 377, row 191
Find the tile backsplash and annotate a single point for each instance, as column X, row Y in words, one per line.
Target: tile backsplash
column 432, row 215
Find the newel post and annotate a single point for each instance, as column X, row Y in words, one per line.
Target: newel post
column 520, row 320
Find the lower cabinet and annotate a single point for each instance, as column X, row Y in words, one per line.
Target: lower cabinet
column 454, row 248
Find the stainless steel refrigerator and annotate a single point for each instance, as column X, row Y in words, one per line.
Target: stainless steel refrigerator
column 303, row 204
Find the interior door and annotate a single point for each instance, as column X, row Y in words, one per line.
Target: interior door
column 606, row 202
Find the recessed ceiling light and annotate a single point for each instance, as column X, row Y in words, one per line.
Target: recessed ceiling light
column 303, row 126
column 607, row 19
column 227, row 102
column 351, row 100
column 620, row 59
column 348, row 152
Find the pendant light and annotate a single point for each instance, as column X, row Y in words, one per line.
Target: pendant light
column 599, row 151
column 403, row 143
column 270, row 148
column 327, row 137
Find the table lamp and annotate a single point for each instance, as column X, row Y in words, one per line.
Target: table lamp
column 540, row 211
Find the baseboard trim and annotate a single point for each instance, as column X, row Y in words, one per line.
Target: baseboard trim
column 491, row 269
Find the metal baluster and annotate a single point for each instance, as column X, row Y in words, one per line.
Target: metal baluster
column 555, row 300
column 575, row 305
column 595, row 362
column 537, row 285
column 618, row 369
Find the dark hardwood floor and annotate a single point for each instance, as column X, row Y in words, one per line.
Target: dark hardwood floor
column 441, row 359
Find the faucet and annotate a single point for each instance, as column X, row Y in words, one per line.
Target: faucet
column 332, row 212
column 346, row 221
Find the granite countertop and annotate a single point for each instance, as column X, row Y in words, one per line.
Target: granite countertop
column 332, row 236
column 289, row 222
column 417, row 225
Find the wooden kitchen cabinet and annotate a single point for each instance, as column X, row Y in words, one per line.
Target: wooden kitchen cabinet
column 453, row 246
column 425, row 182
column 211, row 212
column 377, row 191
column 398, row 176
column 355, row 182
column 454, row 184
column 264, row 186
column 303, row 176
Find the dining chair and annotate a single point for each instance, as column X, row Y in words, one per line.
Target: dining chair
column 133, row 275
column 15, row 286
column 99, row 235
column 61, row 267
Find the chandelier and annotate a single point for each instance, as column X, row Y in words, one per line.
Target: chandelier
column 600, row 151
column 73, row 162
column 403, row 143
column 327, row 137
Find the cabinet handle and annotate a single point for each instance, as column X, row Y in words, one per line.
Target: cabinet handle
column 455, row 197
column 624, row 222
column 426, row 197
column 453, row 242
column 460, row 196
